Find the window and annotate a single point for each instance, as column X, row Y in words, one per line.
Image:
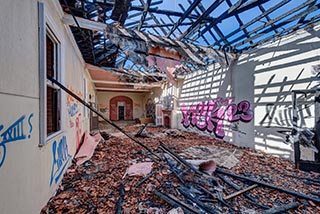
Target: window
column 49, row 66
column 53, row 92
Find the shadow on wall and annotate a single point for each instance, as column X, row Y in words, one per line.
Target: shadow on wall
column 281, row 68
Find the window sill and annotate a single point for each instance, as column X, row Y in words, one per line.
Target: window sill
column 51, row 137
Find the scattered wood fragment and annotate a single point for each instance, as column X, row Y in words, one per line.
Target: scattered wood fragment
column 245, row 194
column 145, row 179
column 240, row 192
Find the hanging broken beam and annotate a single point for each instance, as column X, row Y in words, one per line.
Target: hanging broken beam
column 195, row 54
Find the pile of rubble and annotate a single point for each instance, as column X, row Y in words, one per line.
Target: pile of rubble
column 183, row 173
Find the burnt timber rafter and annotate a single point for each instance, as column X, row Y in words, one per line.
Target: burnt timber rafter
column 270, row 10
column 196, row 23
column 184, row 16
column 144, row 14
column 266, row 30
column 202, row 17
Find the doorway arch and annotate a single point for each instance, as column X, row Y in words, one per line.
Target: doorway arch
column 121, row 108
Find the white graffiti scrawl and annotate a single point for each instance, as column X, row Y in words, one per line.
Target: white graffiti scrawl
column 210, row 115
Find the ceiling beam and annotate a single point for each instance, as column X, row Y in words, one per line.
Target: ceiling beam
column 270, row 10
column 151, row 10
column 163, row 25
column 230, row 12
column 201, row 18
column 126, row 83
column 84, row 23
column 284, row 32
column 121, row 89
column 267, row 30
column 153, row 17
column 184, row 16
column 144, row 14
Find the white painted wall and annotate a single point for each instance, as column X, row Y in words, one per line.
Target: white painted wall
column 27, row 168
column 265, row 76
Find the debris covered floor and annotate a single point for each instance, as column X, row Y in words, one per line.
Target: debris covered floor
column 104, row 184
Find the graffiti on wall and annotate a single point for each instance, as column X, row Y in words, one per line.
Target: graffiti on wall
column 75, row 116
column 210, row 115
column 13, row 133
column 60, row 159
column 73, row 104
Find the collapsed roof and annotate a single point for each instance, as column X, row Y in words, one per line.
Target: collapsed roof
column 140, row 35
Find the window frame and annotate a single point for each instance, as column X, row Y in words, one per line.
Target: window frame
column 46, row 28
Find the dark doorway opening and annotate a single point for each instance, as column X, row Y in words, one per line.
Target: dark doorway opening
column 121, row 112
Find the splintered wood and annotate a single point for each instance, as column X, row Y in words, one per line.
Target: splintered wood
column 257, row 183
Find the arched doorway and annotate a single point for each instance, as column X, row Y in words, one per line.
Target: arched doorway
column 121, row 108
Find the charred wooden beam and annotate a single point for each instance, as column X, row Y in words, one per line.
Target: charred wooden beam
column 120, row 10
column 119, row 202
column 144, row 14
column 154, row 18
column 201, row 18
column 185, row 192
column 238, row 8
column 281, row 208
column 233, row 11
column 270, row 10
column 164, row 25
column 178, row 158
column 185, row 15
column 312, row 20
column 174, row 202
column 283, row 16
column 261, row 183
column 144, row 179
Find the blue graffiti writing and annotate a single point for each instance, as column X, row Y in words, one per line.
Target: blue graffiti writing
column 73, row 109
column 61, row 157
column 13, row 133
column 30, row 125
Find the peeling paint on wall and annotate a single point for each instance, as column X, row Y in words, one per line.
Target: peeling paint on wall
column 15, row 132
column 210, row 115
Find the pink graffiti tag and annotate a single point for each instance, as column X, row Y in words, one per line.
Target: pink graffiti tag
column 209, row 116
